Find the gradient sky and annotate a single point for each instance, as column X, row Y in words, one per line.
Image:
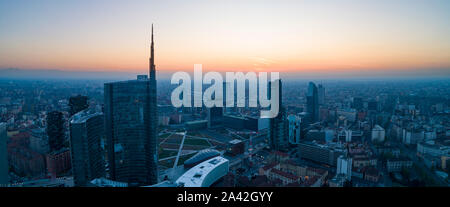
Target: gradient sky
column 310, row 36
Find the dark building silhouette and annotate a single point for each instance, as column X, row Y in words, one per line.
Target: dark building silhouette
column 251, row 123
column 373, row 105
column 86, row 132
column 215, row 116
column 234, row 122
column 312, row 102
column 131, row 121
column 77, row 104
column 358, row 103
column 321, row 94
column 55, row 130
column 278, row 125
column 58, row 162
column 319, row 153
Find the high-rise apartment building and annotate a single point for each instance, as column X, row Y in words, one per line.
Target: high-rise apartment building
column 86, row 132
column 55, row 130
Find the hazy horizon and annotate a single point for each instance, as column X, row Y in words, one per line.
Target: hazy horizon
column 17, row 73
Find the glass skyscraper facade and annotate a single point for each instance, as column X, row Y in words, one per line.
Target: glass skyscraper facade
column 131, row 128
column 130, row 132
column 278, row 127
column 86, row 132
column 312, row 102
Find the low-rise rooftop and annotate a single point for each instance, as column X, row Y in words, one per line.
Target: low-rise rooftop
column 195, row 176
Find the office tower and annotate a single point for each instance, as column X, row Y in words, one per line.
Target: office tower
column 225, row 98
column 77, row 104
column 58, row 159
column 131, row 121
column 4, row 178
column 86, row 131
column 344, row 166
column 55, row 130
column 321, row 94
column 312, row 102
column 278, row 125
column 215, row 113
column 294, row 129
column 215, row 116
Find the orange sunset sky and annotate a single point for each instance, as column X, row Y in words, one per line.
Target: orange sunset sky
column 287, row 36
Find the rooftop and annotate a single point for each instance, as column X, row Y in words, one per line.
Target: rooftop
column 202, row 155
column 378, row 128
column 235, row 141
column 83, row 116
column 284, row 174
column 195, row 176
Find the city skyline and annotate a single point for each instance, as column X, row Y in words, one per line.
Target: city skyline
column 350, row 38
column 357, row 97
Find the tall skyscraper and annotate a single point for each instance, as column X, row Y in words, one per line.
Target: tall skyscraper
column 312, row 102
column 321, row 94
column 55, row 130
column 131, row 121
column 58, row 159
column 77, row 104
column 86, row 131
column 278, row 138
column 4, row 178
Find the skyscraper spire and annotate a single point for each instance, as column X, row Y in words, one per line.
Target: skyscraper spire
column 152, row 60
